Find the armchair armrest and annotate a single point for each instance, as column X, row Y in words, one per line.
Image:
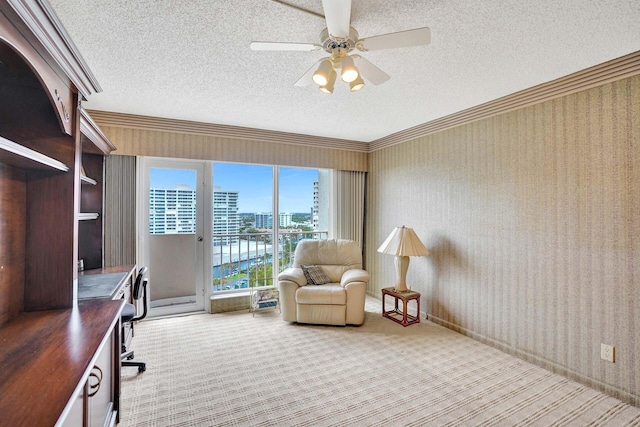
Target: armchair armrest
column 293, row 275
column 354, row 275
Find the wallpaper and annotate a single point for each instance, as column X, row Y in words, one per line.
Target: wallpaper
column 532, row 218
column 142, row 142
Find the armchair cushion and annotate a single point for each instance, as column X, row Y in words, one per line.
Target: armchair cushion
column 329, row 294
column 315, row 275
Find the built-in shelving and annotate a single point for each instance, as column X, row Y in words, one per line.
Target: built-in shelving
column 17, row 155
column 51, row 342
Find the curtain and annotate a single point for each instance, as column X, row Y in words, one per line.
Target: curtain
column 120, row 210
column 346, row 219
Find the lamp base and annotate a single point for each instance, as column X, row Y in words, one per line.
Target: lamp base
column 402, row 265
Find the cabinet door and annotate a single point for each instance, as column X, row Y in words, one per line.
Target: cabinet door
column 75, row 417
column 100, row 387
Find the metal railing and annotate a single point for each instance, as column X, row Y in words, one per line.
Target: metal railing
column 246, row 260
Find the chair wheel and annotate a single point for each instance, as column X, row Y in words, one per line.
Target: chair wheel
column 142, row 368
column 130, row 357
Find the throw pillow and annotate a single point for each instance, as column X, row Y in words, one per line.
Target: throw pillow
column 315, row 275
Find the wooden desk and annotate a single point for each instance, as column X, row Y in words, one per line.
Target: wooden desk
column 108, row 282
column 47, row 357
column 112, row 283
column 402, row 317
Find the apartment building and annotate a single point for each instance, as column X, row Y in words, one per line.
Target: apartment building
column 225, row 216
column 172, row 211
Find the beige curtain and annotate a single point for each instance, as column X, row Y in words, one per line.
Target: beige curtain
column 346, row 219
column 120, row 211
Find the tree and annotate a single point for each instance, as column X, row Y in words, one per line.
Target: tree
column 260, row 275
column 226, row 269
column 287, row 253
column 264, row 258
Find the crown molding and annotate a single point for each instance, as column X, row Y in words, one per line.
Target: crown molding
column 106, row 118
column 616, row 69
column 44, row 27
column 92, row 132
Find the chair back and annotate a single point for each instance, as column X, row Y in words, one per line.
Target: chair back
column 140, row 290
column 335, row 255
column 137, row 286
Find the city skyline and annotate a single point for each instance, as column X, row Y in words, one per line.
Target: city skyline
column 252, row 182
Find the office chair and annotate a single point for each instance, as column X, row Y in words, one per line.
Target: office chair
column 129, row 316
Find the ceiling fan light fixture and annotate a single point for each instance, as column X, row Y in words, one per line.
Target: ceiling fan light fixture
column 357, row 84
column 328, row 88
column 322, row 74
column 349, row 70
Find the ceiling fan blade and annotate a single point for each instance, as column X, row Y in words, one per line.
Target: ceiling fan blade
column 338, row 16
column 301, row 9
column 307, row 78
column 302, row 47
column 416, row 37
column 369, row 71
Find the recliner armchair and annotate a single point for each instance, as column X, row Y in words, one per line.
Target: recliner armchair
column 338, row 302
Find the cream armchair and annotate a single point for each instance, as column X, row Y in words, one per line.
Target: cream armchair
column 338, row 302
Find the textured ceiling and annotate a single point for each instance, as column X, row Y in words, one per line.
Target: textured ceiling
column 191, row 60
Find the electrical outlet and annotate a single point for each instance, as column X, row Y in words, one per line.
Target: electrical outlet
column 607, row 352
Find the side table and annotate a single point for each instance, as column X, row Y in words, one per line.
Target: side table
column 402, row 317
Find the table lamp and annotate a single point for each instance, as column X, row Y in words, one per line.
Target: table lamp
column 403, row 243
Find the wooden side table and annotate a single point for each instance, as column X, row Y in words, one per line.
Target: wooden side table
column 402, row 317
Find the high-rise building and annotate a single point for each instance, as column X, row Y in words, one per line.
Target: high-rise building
column 316, row 205
column 225, row 216
column 264, row 220
column 285, row 219
column 321, row 201
column 172, row 211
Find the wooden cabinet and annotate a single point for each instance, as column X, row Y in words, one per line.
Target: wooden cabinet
column 99, row 387
column 52, row 345
column 93, row 404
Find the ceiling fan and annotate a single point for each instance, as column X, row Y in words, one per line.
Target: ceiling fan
column 339, row 39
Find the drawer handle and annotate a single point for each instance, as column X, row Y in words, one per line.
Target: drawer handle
column 96, row 375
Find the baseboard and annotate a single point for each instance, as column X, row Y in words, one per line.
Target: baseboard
column 616, row 392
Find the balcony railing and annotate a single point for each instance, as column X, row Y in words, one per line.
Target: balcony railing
column 242, row 261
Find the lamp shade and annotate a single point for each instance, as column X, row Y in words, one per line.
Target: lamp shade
column 403, row 241
column 349, row 70
column 321, row 75
column 328, row 87
column 357, row 84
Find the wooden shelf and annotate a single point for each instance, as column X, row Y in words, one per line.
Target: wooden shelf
column 87, row 216
column 17, row 155
column 88, row 181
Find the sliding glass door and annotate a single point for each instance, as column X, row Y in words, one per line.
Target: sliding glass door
column 213, row 228
column 260, row 213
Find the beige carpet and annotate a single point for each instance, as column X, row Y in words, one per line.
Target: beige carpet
column 232, row 369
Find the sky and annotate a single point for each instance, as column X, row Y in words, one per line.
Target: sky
column 254, row 183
